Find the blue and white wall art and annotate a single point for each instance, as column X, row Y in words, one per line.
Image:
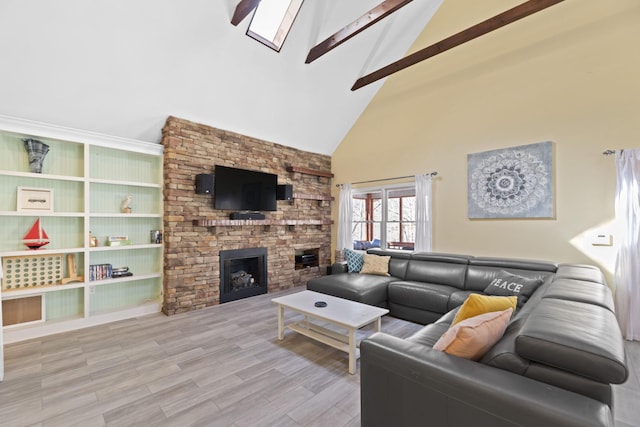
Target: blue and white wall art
column 512, row 182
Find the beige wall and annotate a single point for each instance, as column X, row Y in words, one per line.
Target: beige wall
column 569, row 74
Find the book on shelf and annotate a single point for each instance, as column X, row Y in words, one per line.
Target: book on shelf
column 118, row 242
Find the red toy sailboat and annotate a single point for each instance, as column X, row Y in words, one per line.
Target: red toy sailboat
column 36, row 237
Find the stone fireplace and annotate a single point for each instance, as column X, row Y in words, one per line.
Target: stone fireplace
column 196, row 235
column 243, row 273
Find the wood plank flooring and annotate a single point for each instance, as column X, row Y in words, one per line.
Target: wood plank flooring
column 221, row 366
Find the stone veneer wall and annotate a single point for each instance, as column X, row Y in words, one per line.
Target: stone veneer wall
column 191, row 252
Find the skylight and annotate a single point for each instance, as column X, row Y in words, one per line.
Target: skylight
column 272, row 21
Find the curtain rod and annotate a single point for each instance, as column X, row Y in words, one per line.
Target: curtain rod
column 610, row 152
column 386, row 179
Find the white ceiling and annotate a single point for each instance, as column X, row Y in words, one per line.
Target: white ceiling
column 121, row 67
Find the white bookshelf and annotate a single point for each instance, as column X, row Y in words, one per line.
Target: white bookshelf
column 90, row 175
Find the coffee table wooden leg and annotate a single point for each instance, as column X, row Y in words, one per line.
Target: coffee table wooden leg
column 352, row 350
column 280, row 322
column 378, row 325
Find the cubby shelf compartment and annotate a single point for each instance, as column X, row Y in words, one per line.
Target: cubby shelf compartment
column 18, row 333
column 135, row 277
column 37, row 290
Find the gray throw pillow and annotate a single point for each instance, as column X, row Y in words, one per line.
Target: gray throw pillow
column 507, row 284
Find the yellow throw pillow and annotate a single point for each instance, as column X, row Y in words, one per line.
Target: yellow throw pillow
column 476, row 304
column 375, row 264
column 473, row 337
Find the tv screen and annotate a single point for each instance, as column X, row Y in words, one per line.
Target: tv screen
column 244, row 190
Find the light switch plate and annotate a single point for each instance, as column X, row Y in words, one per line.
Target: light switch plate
column 602, row 240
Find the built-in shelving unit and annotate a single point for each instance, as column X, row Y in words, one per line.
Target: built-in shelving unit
column 89, row 176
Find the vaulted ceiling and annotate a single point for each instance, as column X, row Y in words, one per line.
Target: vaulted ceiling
column 121, row 67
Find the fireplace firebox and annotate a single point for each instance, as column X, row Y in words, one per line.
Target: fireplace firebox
column 243, row 273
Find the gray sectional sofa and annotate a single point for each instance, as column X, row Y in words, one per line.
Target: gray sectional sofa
column 553, row 366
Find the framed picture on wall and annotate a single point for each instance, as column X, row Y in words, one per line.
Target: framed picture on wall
column 35, row 199
column 514, row 182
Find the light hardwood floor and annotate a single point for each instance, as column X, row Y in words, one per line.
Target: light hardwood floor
column 221, row 366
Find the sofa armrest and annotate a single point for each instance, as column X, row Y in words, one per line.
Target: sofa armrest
column 408, row 384
column 339, row 267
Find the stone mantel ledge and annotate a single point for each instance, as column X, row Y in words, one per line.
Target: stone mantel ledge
column 312, row 196
column 257, row 222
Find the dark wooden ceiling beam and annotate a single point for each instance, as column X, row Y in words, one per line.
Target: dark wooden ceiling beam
column 379, row 12
column 521, row 11
column 244, row 8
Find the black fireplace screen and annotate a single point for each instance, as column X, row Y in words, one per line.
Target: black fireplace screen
column 243, row 273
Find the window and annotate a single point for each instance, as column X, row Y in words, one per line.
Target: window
column 367, row 219
column 384, row 217
column 401, row 219
column 272, row 21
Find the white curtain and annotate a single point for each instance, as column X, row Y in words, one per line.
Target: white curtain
column 345, row 216
column 627, row 274
column 423, row 213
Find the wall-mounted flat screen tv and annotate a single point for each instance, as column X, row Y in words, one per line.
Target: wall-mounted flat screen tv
column 244, row 190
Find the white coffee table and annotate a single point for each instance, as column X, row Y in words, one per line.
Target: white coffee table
column 344, row 313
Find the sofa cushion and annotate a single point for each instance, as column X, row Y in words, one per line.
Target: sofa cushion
column 444, row 269
column 457, row 298
column 515, row 264
column 477, row 304
column 569, row 381
column 503, row 355
column 367, row 289
column 425, row 296
column 507, row 284
column 412, row 314
column 472, row 337
column 587, row 273
column 430, row 334
column 581, row 291
column 375, row 264
column 482, row 271
column 575, row 337
column 355, row 260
